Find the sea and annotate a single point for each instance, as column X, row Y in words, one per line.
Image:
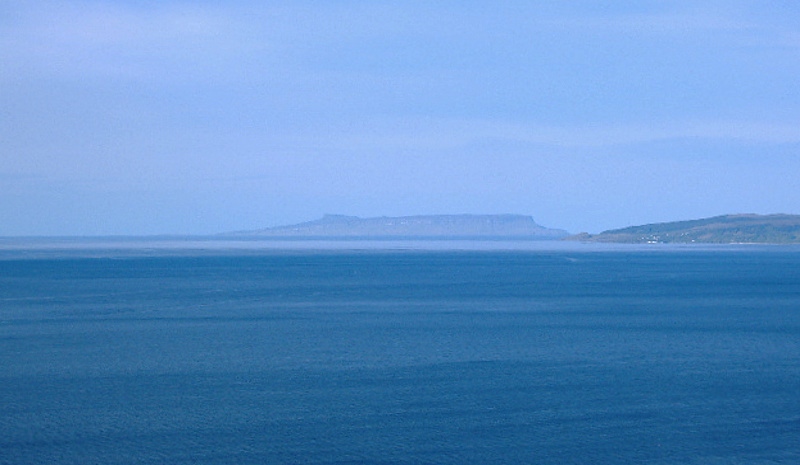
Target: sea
column 399, row 354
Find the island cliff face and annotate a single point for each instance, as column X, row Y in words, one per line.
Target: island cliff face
column 726, row 229
column 424, row 226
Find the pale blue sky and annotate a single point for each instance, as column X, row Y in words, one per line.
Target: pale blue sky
column 149, row 117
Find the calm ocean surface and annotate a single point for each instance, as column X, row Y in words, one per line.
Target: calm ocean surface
column 669, row 355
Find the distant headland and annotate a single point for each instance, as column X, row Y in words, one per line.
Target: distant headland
column 421, row 226
column 725, row 229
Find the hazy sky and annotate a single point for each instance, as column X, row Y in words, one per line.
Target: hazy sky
column 147, row 117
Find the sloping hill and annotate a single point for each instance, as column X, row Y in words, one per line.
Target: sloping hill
column 424, row 226
column 726, row 229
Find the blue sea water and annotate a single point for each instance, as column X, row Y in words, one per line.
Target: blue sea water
column 332, row 357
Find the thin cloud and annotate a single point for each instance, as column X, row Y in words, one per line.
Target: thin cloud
column 432, row 135
column 671, row 23
column 108, row 40
column 732, row 23
column 626, row 134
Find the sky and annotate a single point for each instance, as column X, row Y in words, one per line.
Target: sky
column 199, row 117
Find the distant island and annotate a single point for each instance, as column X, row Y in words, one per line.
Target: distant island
column 422, row 227
column 725, row 229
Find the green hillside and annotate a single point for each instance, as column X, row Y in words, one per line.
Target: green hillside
column 726, row 229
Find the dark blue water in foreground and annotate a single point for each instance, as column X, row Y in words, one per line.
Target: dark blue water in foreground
column 678, row 356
